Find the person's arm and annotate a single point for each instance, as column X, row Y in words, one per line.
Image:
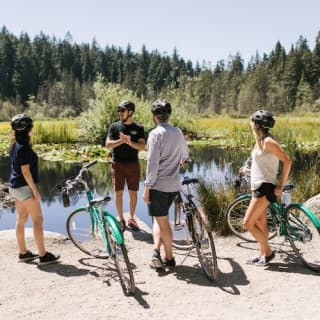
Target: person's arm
column 139, row 145
column 112, row 143
column 152, row 165
column 25, row 169
column 146, row 194
column 274, row 147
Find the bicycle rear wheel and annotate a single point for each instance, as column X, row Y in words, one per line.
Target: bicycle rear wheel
column 181, row 236
column 235, row 214
column 205, row 247
column 120, row 256
column 303, row 236
column 84, row 232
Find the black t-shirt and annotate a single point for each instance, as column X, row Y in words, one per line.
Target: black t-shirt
column 125, row 153
column 22, row 154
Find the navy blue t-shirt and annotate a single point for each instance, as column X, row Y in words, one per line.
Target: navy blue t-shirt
column 22, row 154
column 125, row 153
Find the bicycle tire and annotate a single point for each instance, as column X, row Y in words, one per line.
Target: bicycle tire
column 303, row 236
column 235, row 214
column 182, row 239
column 84, row 235
column 119, row 254
column 205, row 247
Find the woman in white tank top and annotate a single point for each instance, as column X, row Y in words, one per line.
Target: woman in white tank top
column 265, row 186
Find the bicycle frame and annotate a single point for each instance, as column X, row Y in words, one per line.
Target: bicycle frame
column 97, row 213
column 279, row 212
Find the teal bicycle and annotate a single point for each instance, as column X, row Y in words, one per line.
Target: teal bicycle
column 296, row 223
column 96, row 231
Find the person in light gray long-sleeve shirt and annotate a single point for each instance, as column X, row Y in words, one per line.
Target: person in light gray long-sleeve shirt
column 167, row 150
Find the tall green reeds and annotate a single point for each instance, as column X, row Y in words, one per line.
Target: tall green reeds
column 58, row 131
column 214, row 201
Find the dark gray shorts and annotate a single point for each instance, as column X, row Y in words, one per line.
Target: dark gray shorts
column 21, row 193
column 160, row 202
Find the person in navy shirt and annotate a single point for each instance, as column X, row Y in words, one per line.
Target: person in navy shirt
column 23, row 188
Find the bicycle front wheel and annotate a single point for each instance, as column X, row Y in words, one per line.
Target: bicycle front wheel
column 303, row 236
column 205, row 247
column 84, row 232
column 182, row 239
column 235, row 215
column 120, row 256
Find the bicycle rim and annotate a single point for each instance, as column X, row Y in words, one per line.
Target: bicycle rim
column 235, row 215
column 304, row 237
column 123, row 265
column 182, row 239
column 84, row 235
column 205, row 248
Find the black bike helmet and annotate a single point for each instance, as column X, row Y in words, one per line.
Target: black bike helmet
column 127, row 104
column 21, row 122
column 263, row 118
column 161, row 108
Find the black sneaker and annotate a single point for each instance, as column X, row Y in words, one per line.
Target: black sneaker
column 28, row 256
column 169, row 263
column 48, row 258
column 156, row 261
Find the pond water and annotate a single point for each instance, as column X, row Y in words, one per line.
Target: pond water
column 215, row 165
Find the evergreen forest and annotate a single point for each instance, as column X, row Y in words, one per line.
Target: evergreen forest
column 57, row 77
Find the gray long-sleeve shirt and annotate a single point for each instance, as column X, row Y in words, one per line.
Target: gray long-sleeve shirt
column 166, row 148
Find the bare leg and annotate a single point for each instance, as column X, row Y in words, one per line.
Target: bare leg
column 22, row 217
column 256, row 209
column 133, row 202
column 119, row 203
column 34, row 209
column 162, row 233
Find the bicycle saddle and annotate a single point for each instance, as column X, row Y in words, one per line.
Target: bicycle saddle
column 187, row 180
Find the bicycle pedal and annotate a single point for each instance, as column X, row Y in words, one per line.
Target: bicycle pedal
column 178, row 227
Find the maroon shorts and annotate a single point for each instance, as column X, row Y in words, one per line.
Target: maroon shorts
column 125, row 172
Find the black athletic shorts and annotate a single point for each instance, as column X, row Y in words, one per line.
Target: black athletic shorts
column 267, row 190
column 160, row 202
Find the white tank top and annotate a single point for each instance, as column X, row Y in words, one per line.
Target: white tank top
column 264, row 168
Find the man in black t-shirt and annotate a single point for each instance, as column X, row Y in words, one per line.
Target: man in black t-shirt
column 125, row 138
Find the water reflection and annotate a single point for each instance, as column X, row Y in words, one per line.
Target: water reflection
column 215, row 165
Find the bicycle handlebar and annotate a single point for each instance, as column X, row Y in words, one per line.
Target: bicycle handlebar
column 72, row 183
column 90, row 164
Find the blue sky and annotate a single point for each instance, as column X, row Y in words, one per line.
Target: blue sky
column 200, row 29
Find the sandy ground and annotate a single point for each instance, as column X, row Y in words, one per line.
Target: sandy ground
column 81, row 287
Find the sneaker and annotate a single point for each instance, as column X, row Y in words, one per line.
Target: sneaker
column 48, row 258
column 156, row 261
column 253, row 260
column 133, row 225
column 264, row 260
column 169, row 263
column 28, row 256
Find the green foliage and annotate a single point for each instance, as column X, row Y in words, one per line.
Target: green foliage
column 54, row 132
column 214, row 201
column 8, row 110
column 103, row 111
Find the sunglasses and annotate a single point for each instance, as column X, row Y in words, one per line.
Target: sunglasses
column 122, row 110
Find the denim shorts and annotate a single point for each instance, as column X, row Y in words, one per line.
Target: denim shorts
column 21, row 193
column 160, row 202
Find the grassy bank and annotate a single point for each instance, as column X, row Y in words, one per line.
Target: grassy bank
column 66, row 136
